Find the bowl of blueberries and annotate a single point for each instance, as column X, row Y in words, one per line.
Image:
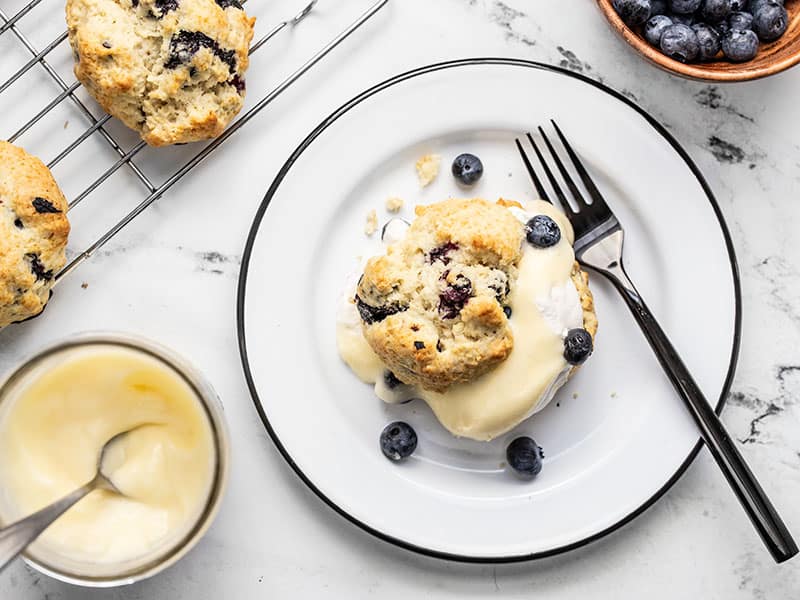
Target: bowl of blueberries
column 711, row 40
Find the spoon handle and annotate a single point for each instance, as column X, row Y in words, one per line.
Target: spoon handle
column 16, row 537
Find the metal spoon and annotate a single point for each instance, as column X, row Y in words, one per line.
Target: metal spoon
column 18, row 536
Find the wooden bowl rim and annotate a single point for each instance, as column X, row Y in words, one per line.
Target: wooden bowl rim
column 692, row 71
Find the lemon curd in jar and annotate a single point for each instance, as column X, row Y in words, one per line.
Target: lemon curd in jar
column 54, row 421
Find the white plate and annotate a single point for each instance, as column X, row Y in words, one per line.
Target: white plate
column 618, row 436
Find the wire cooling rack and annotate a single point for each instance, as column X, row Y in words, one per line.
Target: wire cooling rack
column 31, row 71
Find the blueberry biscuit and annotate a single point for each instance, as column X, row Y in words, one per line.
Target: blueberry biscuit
column 173, row 70
column 432, row 306
column 480, row 310
column 33, row 234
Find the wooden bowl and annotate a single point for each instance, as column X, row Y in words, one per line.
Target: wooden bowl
column 772, row 58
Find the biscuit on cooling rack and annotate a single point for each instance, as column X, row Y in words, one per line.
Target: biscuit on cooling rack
column 33, row 234
column 173, row 70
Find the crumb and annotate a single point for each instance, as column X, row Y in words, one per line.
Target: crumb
column 84, row 285
column 575, row 396
column 371, row 226
column 558, row 404
column 394, row 204
column 613, row 394
column 428, row 169
column 66, row 124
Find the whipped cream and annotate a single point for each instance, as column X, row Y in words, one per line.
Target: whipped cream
column 545, row 307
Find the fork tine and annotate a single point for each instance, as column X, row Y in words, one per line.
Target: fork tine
column 532, row 172
column 576, row 193
column 597, row 197
column 552, row 178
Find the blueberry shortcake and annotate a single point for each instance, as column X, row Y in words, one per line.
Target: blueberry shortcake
column 172, row 70
column 33, row 234
column 478, row 308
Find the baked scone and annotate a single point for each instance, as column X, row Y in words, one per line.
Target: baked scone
column 478, row 309
column 173, row 70
column 33, row 234
column 432, row 306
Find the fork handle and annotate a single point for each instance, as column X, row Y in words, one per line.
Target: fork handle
column 762, row 513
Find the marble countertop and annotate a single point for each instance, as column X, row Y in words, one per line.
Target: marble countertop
column 172, row 276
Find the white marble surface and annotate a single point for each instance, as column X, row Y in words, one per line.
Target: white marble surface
column 172, row 276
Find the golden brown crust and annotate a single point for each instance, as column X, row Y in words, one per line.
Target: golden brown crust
column 33, row 234
column 123, row 57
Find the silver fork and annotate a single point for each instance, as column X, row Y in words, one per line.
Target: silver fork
column 599, row 241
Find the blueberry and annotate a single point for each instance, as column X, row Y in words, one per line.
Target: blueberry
column 454, row 297
column 398, row 441
column 238, row 82
column 41, row 205
column 440, row 253
column 38, row 269
column 467, row 168
column 223, row 4
column 507, row 310
column 185, row 44
column 684, row 7
column 165, row 6
column 680, row 42
column 633, row 12
column 714, row 11
column 543, row 232
column 525, row 456
column 740, row 20
column 740, row 46
column 709, row 41
column 578, row 346
column 722, row 28
column 654, row 27
column 18, row 224
column 770, row 21
column 391, row 380
column 738, row 5
column 658, row 7
column 682, row 19
column 375, row 314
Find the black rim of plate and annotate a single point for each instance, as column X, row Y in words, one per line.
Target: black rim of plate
column 315, row 134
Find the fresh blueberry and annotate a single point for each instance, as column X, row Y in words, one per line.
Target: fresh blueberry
column 709, row 41
column 658, row 7
column 684, row 7
column 398, row 441
column 770, row 21
column 633, row 12
column 738, row 5
column 714, row 11
column 525, row 456
column 722, row 28
column 578, row 346
column 543, row 231
column 740, row 46
column 680, row 42
column 678, row 18
column 740, row 20
column 654, row 27
column 467, row 168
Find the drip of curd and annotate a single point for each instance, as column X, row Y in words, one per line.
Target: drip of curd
column 53, row 425
column 545, row 307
